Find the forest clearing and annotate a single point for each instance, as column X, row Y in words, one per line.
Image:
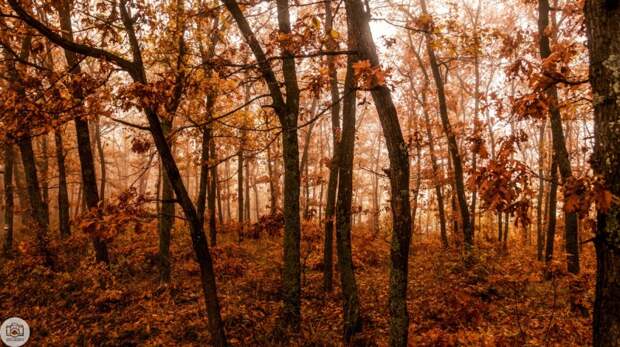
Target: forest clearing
column 310, row 173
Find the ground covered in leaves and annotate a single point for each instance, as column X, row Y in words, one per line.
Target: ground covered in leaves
column 502, row 300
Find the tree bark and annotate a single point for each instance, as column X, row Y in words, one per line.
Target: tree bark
column 551, row 218
column 398, row 172
column 167, row 213
column 332, row 183
column 87, row 164
column 559, row 143
column 287, row 110
column 351, row 306
column 63, row 195
column 9, row 159
column 436, row 175
column 602, row 19
column 540, row 237
column 35, row 198
column 101, row 153
column 468, row 233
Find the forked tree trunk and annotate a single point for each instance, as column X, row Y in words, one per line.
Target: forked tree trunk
column 399, row 176
column 559, row 143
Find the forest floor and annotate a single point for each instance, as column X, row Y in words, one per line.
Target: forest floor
column 502, row 300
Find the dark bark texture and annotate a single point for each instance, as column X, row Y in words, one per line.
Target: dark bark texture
column 603, row 31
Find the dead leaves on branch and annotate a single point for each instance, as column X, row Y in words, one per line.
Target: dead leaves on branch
column 368, row 76
column 125, row 212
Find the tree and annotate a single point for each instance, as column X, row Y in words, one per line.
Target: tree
column 351, row 309
column 602, row 19
column 332, row 183
column 453, row 149
column 287, row 110
column 398, row 172
column 89, row 181
column 559, row 143
column 135, row 68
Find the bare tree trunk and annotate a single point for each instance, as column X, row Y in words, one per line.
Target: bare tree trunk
column 571, row 233
column 9, row 159
column 603, row 32
column 551, row 219
column 35, row 198
column 89, row 181
column 218, row 188
column 358, row 21
column 500, row 228
column 101, row 154
column 304, row 159
column 352, row 320
column 332, row 183
column 227, row 175
column 468, row 233
column 375, row 193
column 44, row 165
column 63, row 195
column 247, row 190
column 541, row 189
column 167, row 213
column 255, row 188
column 213, row 190
column 240, row 193
column 436, row 175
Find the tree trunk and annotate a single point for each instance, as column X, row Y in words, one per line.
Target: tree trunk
column 603, row 32
column 212, row 191
column 63, row 195
column 167, row 214
column 500, row 227
column 559, row 142
column 35, row 198
column 101, row 154
column 541, row 191
column 240, row 193
column 9, row 160
column 287, row 110
column 399, row 176
column 208, row 175
column 468, row 234
column 44, row 168
column 506, row 229
column 304, row 159
column 551, row 219
column 352, row 320
column 332, row 183
column 246, row 187
column 89, row 181
column 436, row 175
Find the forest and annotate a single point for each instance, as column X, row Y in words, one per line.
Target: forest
column 310, row 173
